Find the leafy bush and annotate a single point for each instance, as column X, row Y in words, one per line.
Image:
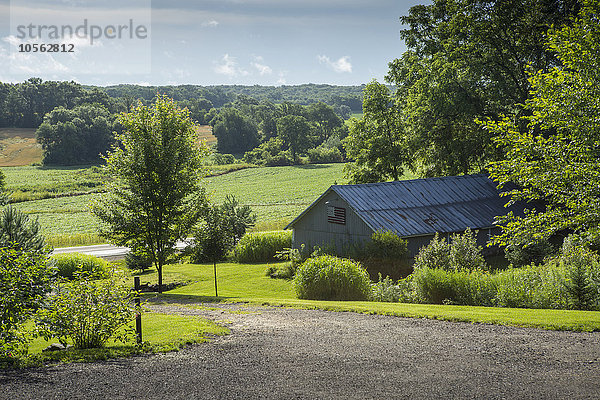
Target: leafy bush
column 386, row 245
column 435, row 255
column 67, row 265
column 261, row 246
column 521, row 254
column 464, row 252
column 87, row 312
column 386, row 290
column 331, row 278
column 465, row 287
column 461, row 253
column 222, row 159
column 323, row 155
column 25, row 278
column 138, row 261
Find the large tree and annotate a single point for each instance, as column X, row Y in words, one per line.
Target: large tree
column 235, row 132
column 376, row 142
column 294, row 131
column 555, row 158
column 468, row 59
column 156, row 197
column 76, row 136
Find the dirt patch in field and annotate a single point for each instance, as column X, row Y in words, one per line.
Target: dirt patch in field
column 19, row 147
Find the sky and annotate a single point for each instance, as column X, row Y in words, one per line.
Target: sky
column 205, row 42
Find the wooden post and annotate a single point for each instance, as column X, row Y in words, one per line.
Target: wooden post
column 215, row 267
column 138, row 310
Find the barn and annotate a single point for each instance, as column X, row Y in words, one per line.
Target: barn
column 413, row 209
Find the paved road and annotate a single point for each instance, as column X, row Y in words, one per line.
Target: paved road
column 107, row 251
column 278, row 353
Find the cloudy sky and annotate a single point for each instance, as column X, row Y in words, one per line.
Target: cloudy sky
column 205, row 42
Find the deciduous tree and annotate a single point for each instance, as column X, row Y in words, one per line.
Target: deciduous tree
column 156, row 196
column 555, row 158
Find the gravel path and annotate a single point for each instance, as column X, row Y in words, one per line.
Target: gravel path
column 279, row 353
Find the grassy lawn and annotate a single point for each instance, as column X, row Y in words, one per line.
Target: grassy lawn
column 161, row 333
column 247, row 283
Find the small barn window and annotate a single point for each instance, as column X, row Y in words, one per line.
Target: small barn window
column 336, row 215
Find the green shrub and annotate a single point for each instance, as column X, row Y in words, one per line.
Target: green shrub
column 87, row 312
column 581, row 283
column 461, row 253
column 331, row 278
column 25, row 278
column 464, row 287
column 17, row 230
column 386, row 245
column 464, row 252
column 68, row 264
column 323, row 155
column 138, row 261
column 435, row 255
column 521, row 254
column 386, row 290
column 261, row 246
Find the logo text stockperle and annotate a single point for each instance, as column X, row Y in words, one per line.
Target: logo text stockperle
column 85, row 30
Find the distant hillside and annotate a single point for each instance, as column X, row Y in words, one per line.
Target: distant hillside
column 18, row 147
column 333, row 95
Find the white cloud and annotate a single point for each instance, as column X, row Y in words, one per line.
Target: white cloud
column 228, row 66
column 341, row 65
column 210, row 24
column 262, row 68
column 282, row 80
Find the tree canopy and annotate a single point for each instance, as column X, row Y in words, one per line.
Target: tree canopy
column 76, row 136
column 376, row 142
column 554, row 156
column 468, row 59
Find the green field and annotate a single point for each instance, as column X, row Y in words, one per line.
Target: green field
column 274, row 193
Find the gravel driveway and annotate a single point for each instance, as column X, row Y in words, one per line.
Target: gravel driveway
column 279, row 353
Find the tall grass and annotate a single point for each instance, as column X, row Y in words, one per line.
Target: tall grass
column 261, row 246
column 78, row 239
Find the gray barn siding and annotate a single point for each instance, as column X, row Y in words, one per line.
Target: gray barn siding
column 314, row 230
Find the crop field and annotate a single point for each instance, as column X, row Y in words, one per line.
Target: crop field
column 35, row 182
column 276, row 194
column 19, row 147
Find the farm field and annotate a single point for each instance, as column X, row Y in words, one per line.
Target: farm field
column 19, row 147
column 274, row 193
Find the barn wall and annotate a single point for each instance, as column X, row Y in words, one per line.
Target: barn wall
column 313, row 229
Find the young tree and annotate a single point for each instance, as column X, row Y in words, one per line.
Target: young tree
column 376, row 142
column 156, row 197
column 555, row 159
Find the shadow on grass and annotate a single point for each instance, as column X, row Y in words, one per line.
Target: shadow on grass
column 155, row 298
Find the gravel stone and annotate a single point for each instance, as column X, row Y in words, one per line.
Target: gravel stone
column 282, row 353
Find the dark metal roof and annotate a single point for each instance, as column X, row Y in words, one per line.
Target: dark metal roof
column 425, row 206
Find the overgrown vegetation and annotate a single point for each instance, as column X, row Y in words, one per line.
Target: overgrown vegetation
column 332, row 278
column 69, row 265
column 261, row 246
